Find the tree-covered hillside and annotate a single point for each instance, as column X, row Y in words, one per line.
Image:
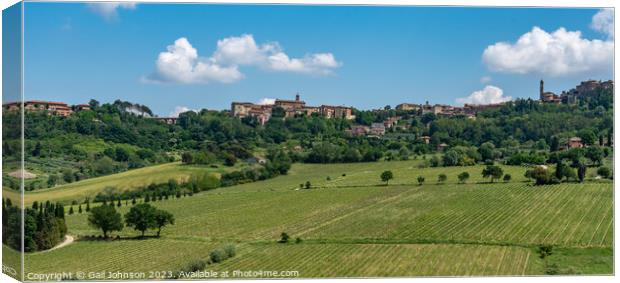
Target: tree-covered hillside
column 119, row 136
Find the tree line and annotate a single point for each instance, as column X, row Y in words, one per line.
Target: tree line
column 43, row 225
column 140, row 217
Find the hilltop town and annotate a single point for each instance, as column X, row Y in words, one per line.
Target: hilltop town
column 297, row 107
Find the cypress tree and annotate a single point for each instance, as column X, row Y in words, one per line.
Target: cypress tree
column 133, row 200
column 80, row 208
column 147, row 198
column 559, row 170
column 581, row 172
column 71, row 210
column 119, row 202
column 555, row 144
column 87, row 205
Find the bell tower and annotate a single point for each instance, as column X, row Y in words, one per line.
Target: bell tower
column 542, row 89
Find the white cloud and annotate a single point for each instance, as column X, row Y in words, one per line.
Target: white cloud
column 180, row 109
column 182, row 64
column 603, row 22
column 489, row 95
column 267, row 101
column 243, row 50
column 485, row 79
column 320, row 63
column 556, row 54
column 109, row 10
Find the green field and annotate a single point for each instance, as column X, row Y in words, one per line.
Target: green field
column 128, row 180
column 352, row 225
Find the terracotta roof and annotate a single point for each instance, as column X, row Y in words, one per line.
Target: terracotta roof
column 44, row 102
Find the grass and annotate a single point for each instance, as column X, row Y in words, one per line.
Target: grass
column 379, row 260
column 353, row 225
column 128, row 180
column 581, row 261
column 123, row 255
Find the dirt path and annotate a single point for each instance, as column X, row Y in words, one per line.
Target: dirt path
column 68, row 240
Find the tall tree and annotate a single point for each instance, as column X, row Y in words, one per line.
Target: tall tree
column 492, row 171
column 106, row 218
column 141, row 217
column 163, row 218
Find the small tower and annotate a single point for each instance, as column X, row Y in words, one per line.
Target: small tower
column 542, row 89
column 297, row 98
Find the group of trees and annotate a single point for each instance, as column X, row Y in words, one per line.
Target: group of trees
column 154, row 192
column 140, row 217
column 118, row 136
column 493, row 172
column 43, row 226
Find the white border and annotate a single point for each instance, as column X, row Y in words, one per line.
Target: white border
column 505, row 3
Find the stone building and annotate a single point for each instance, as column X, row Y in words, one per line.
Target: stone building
column 291, row 109
column 408, row 107
column 585, row 89
column 547, row 96
column 52, row 107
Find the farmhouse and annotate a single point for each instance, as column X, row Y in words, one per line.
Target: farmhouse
column 359, row 130
column 575, row 142
column 52, row 107
column 377, row 129
column 425, row 139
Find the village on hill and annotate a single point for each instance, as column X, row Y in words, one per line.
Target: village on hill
column 297, row 107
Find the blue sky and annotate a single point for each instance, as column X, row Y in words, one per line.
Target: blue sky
column 365, row 57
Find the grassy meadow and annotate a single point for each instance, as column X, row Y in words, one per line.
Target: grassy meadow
column 128, row 180
column 352, row 225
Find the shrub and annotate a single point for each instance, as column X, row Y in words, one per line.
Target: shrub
column 542, row 176
column 217, row 256
column 230, row 250
column 420, row 180
column 507, row 178
column 463, row 177
column 545, row 251
column 604, row 172
column 298, row 240
column 442, row 178
column 552, row 269
column 195, row 265
column 284, row 238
